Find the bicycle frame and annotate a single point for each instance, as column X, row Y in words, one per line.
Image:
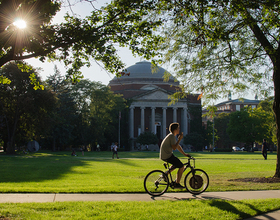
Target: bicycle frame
column 187, row 165
column 157, row 182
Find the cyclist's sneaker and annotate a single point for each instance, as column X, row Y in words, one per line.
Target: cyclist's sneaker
column 178, row 186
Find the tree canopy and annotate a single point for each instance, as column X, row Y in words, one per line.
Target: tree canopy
column 23, row 110
column 217, row 47
column 76, row 40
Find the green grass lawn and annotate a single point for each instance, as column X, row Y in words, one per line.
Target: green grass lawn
column 186, row 209
column 96, row 172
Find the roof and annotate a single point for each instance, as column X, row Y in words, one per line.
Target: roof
column 143, row 70
column 239, row 101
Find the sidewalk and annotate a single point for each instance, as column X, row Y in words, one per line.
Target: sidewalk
column 233, row 195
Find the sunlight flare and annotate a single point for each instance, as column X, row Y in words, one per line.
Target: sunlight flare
column 19, row 23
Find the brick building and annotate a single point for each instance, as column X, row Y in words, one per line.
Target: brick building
column 150, row 108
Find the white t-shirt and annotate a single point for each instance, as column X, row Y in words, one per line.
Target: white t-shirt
column 166, row 150
column 115, row 147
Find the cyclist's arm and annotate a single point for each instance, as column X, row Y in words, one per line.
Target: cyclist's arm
column 180, row 149
column 175, row 146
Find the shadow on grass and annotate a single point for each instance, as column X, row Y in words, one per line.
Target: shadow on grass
column 35, row 169
column 229, row 207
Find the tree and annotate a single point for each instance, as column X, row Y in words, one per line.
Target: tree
column 248, row 125
column 267, row 106
column 75, row 40
column 196, row 140
column 23, row 110
column 63, row 117
column 98, row 110
column 218, row 47
column 209, row 134
column 221, row 123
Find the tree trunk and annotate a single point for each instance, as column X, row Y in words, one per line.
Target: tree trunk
column 276, row 109
column 11, row 147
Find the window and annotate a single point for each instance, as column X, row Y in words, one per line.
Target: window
column 237, row 107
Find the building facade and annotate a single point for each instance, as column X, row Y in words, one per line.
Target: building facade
column 150, row 108
column 231, row 106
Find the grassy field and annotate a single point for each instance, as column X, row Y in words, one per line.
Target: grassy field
column 96, row 172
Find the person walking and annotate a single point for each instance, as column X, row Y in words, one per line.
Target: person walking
column 166, row 152
column 264, row 149
column 115, row 150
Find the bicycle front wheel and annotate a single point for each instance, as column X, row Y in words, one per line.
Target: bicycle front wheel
column 196, row 181
column 156, row 183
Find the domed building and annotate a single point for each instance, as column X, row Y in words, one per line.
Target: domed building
column 150, row 108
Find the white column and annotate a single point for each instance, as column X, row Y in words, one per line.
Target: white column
column 185, row 118
column 131, row 122
column 153, row 118
column 174, row 114
column 164, row 122
column 142, row 119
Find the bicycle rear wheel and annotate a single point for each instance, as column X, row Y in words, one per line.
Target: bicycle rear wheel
column 156, row 183
column 196, row 181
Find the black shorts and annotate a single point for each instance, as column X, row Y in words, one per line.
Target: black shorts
column 174, row 161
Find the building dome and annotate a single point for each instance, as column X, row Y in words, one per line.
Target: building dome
column 139, row 78
column 143, row 71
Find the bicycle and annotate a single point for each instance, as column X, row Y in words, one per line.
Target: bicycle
column 157, row 182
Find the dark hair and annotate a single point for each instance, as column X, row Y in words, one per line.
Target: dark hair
column 173, row 126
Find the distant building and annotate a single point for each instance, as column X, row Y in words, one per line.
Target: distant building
column 231, row 106
column 149, row 95
column 235, row 105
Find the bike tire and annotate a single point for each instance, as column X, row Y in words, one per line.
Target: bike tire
column 198, row 182
column 154, row 183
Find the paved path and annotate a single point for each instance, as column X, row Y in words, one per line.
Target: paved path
column 233, row 195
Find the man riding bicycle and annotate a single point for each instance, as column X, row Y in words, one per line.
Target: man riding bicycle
column 166, row 152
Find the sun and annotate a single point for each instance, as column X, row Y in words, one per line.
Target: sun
column 19, row 23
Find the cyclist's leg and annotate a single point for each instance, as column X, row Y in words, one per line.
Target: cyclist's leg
column 176, row 163
column 179, row 174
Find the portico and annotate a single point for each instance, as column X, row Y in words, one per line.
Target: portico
column 156, row 119
column 150, row 109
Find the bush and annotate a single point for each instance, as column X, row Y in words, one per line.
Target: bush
column 147, row 138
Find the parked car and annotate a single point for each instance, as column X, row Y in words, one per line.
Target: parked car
column 234, row 148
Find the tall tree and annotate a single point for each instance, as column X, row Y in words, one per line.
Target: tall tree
column 221, row 46
column 75, row 40
column 221, row 122
column 248, row 125
column 63, row 117
column 267, row 106
column 98, row 110
column 23, row 110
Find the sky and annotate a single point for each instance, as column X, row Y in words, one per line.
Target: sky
column 95, row 72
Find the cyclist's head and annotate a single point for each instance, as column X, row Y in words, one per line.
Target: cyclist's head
column 173, row 126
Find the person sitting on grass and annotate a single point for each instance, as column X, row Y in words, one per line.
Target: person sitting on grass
column 166, row 152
